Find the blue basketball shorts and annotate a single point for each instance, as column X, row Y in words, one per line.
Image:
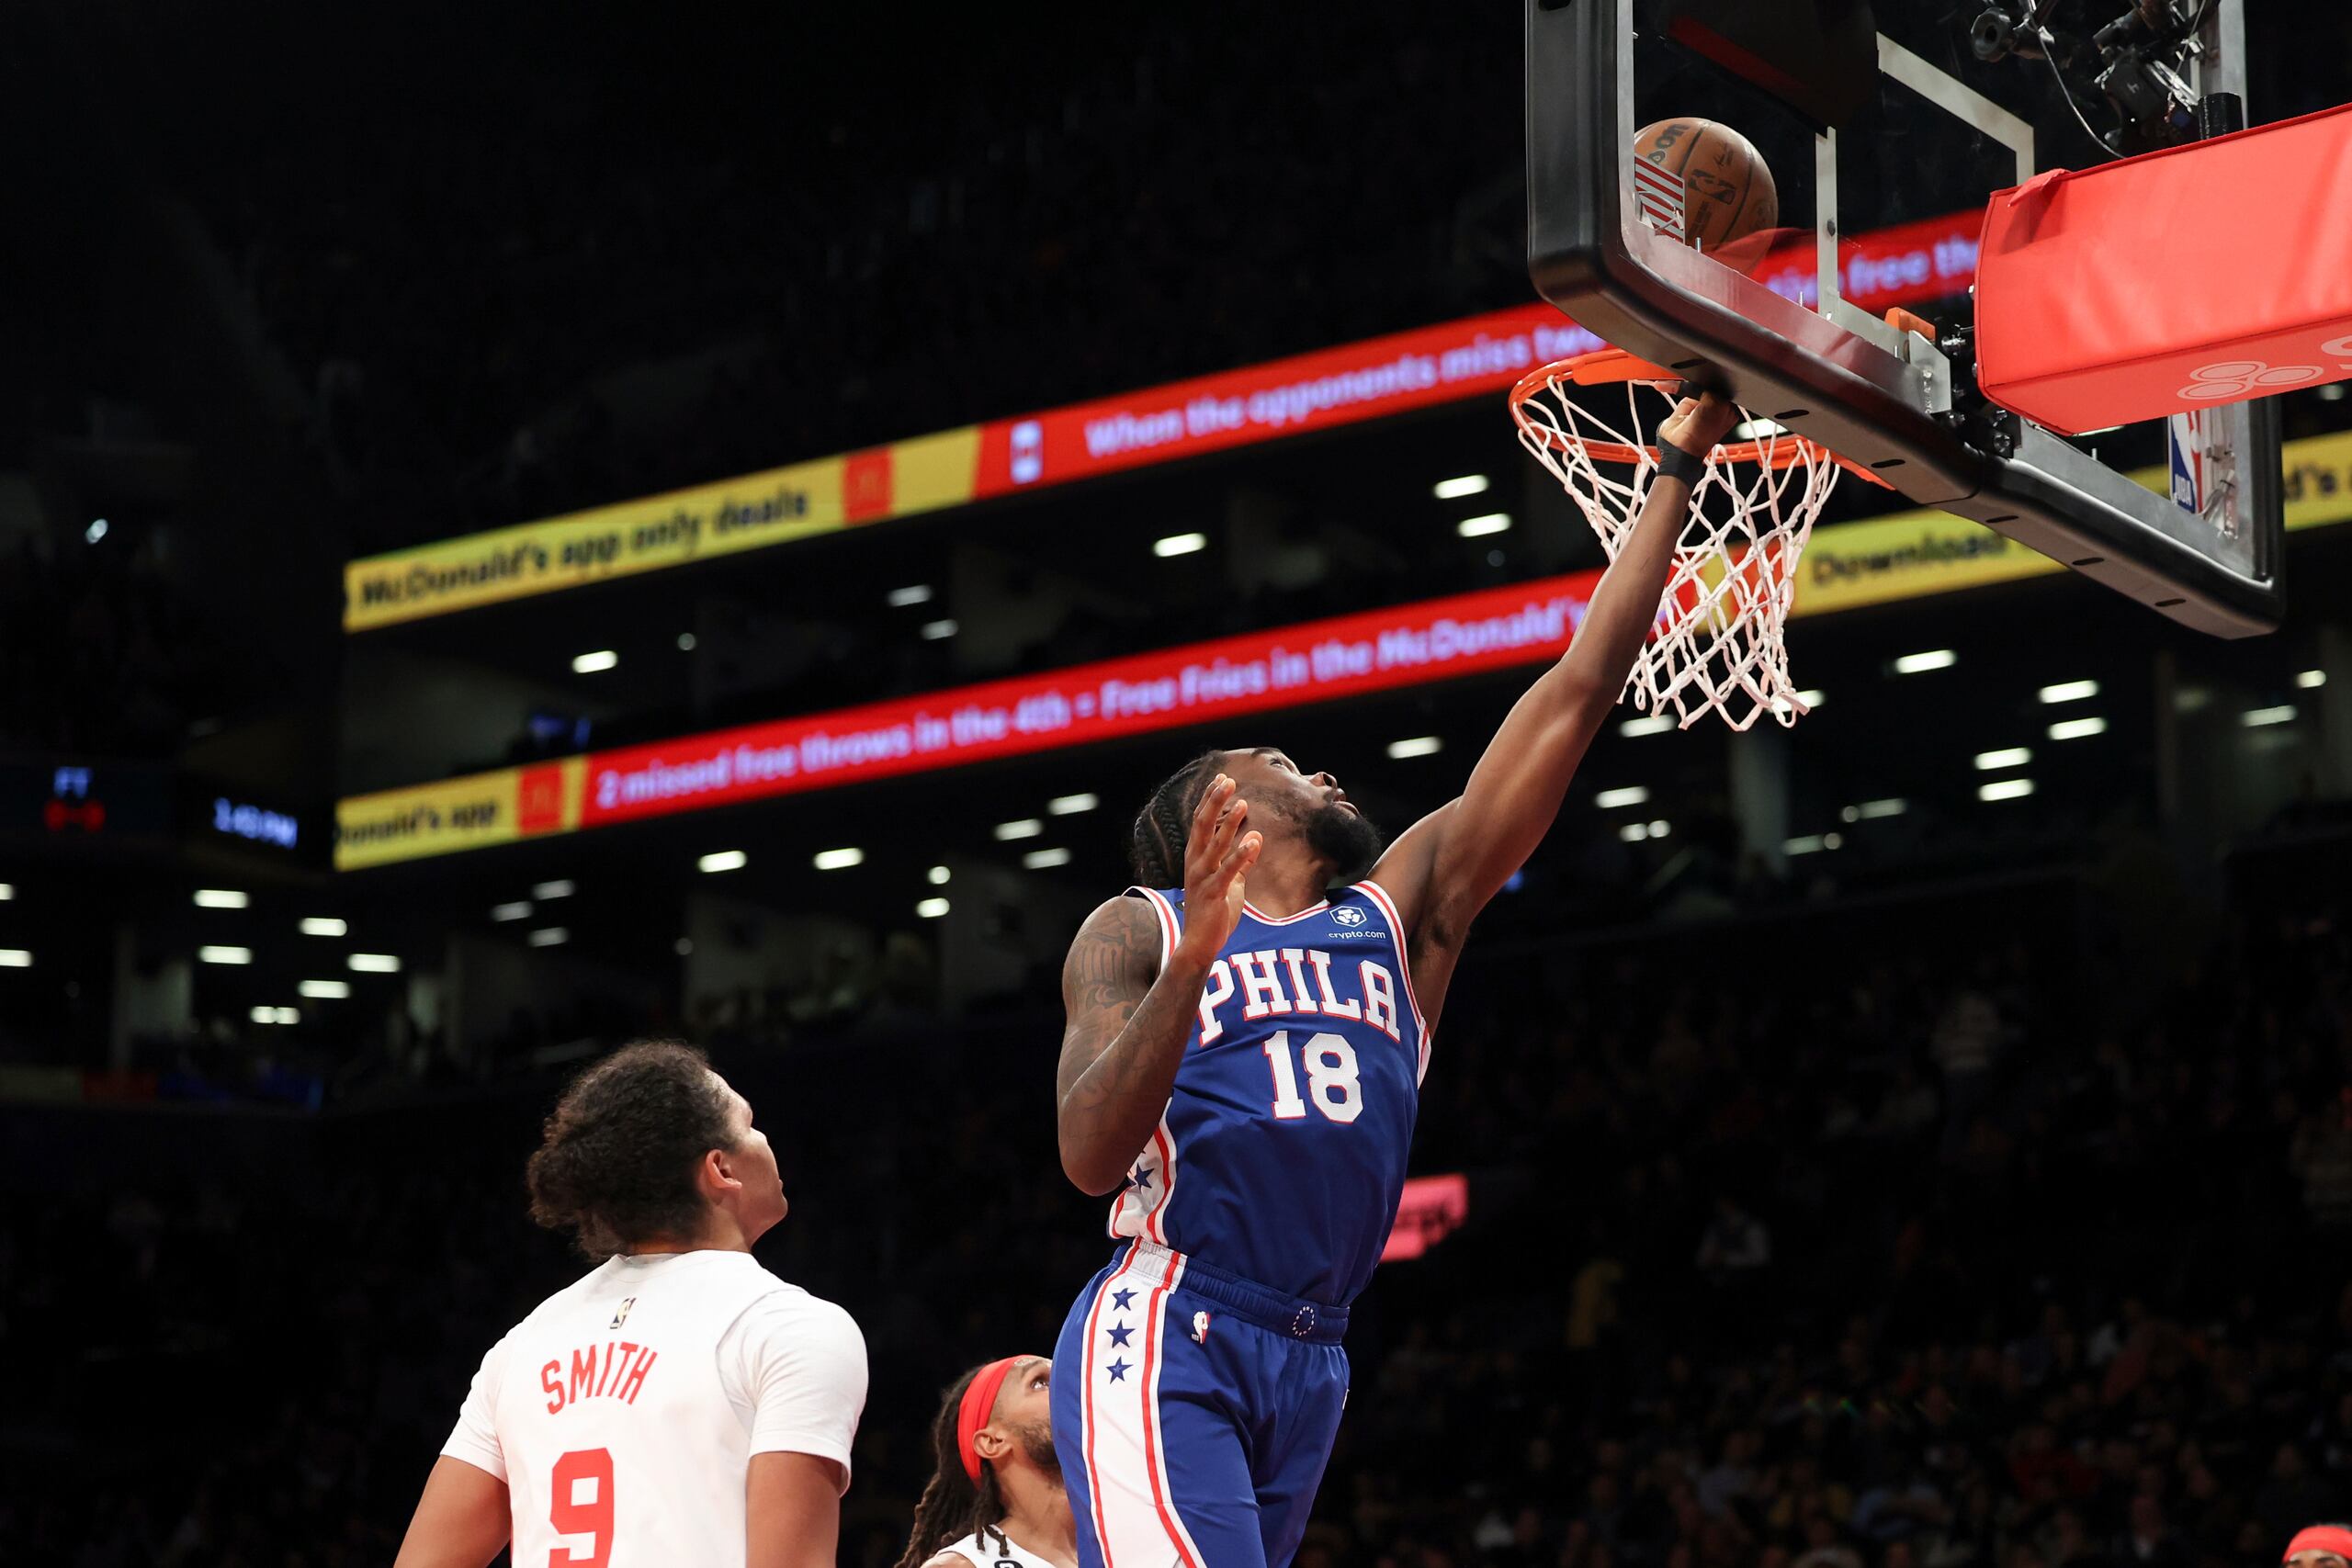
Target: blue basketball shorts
column 1194, row 1412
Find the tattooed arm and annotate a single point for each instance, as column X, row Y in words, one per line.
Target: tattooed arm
column 1126, row 1025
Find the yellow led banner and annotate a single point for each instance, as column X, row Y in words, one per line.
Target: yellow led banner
column 449, row 815
column 1848, row 565
column 745, row 513
column 2319, row 480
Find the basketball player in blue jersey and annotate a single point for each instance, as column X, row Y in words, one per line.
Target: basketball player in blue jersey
column 1242, row 1066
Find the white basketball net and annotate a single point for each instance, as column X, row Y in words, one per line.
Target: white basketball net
column 1717, row 642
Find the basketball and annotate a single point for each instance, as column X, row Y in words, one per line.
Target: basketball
column 1727, row 191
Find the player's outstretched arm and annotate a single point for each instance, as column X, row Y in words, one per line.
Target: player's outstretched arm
column 1444, row 870
column 460, row 1522
column 1127, row 1016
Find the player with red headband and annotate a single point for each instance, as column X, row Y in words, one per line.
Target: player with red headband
column 2320, row 1546
column 999, row 1486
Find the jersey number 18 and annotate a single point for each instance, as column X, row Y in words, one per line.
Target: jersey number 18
column 1331, row 1077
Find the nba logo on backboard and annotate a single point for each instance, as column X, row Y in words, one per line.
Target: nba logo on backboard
column 2185, row 455
column 1028, row 452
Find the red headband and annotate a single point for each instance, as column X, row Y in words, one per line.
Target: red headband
column 979, row 1402
column 2322, row 1538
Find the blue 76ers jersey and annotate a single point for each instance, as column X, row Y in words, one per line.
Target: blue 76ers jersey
column 1281, row 1156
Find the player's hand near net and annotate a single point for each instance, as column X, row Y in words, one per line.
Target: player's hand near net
column 1699, row 425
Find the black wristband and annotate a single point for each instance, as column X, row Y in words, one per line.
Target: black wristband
column 1674, row 463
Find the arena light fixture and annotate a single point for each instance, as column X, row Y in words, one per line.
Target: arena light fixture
column 1026, row 828
column 95, row 532
column 220, row 898
column 932, row 909
column 1071, row 805
column 1488, row 522
column 1813, row 844
column 2005, row 789
column 324, row 925
column 374, row 963
column 2332, row 394
column 1045, row 860
column 2069, row 691
column 723, row 860
column 1659, row 830
column 563, row 887
column 1456, row 487
column 686, row 642
column 1920, row 663
column 912, row 593
column 1611, row 799
column 1417, row 746
column 8, row 891
column 276, row 1015
column 2077, row 728
column 937, row 877
column 1633, row 832
column 518, row 910
column 1648, row 724
column 1873, row 810
column 1179, row 544
column 938, row 631
column 595, row 663
column 224, row 954
column 2005, row 757
column 2255, row 718
column 1813, row 698
column 2311, row 679
column 15, row 958
column 841, row 858
column 683, row 947
column 548, row 936
column 325, row 990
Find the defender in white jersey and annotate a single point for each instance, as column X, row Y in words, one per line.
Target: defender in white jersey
column 680, row 1403
column 997, row 1498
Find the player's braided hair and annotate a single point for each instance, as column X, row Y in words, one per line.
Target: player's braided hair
column 616, row 1164
column 1156, row 851
column 951, row 1507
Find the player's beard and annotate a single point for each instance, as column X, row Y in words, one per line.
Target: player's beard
column 1345, row 841
column 1037, row 1442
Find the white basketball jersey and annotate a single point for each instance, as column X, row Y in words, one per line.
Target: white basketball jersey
column 622, row 1441
column 982, row 1553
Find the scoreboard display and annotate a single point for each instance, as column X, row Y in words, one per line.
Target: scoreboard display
column 109, row 802
column 64, row 804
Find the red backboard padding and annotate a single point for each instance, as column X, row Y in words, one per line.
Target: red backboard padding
column 2187, row 278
